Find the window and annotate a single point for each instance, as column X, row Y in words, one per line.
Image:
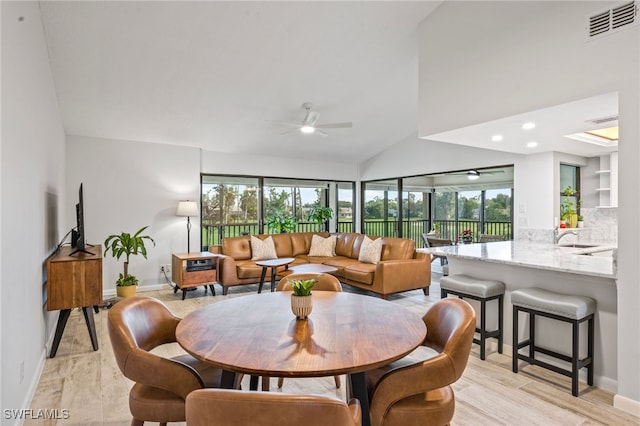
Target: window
column 238, row 205
column 345, row 207
column 380, row 213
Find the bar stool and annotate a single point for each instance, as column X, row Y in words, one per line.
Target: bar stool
column 465, row 286
column 561, row 307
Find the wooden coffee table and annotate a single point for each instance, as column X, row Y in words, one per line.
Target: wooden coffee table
column 313, row 268
column 273, row 264
column 344, row 334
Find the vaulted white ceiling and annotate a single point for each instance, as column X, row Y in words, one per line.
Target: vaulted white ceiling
column 210, row 74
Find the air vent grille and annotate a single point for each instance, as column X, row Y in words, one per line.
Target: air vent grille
column 623, row 15
column 612, row 19
column 603, row 119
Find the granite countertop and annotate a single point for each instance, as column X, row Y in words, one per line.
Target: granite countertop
column 596, row 261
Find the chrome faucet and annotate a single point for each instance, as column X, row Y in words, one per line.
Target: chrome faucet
column 557, row 236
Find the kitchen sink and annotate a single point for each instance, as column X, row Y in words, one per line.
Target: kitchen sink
column 600, row 253
column 578, row 245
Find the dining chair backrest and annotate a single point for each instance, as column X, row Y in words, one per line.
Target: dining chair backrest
column 487, row 238
column 325, row 282
column 136, row 326
column 408, row 392
column 432, row 241
column 219, row 407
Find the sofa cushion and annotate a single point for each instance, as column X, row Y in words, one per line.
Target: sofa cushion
column 397, row 248
column 263, row 249
column 248, row 269
column 323, row 246
column 344, row 244
column 313, row 259
column 360, row 272
column 283, row 244
column 370, row 250
column 237, row 247
column 301, row 241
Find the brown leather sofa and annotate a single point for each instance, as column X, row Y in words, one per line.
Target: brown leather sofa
column 400, row 267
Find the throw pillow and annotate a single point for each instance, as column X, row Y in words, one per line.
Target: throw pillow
column 370, row 250
column 263, row 249
column 323, row 246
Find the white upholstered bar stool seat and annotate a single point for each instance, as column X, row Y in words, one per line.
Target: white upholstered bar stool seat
column 465, row 286
column 568, row 308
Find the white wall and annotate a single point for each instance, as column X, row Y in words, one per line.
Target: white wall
column 33, row 196
column 129, row 184
column 276, row 166
column 481, row 61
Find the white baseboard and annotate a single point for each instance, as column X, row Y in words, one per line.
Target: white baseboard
column 31, row 391
column 601, row 382
column 107, row 294
column 627, row 405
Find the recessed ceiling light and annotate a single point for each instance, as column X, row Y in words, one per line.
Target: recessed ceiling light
column 528, row 126
column 532, row 144
column 307, row 129
column 496, row 138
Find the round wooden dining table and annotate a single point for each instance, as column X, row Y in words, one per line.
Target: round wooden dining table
column 344, row 334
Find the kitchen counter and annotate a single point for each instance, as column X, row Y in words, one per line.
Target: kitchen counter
column 586, row 271
column 595, row 261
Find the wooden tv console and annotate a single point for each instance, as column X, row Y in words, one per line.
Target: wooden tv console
column 74, row 281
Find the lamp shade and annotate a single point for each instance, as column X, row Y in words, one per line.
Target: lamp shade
column 187, row 208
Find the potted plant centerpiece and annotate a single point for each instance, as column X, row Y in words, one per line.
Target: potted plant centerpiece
column 467, row 236
column 128, row 245
column 321, row 215
column 281, row 223
column 580, row 221
column 301, row 301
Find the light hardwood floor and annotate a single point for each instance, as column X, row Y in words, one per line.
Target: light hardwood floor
column 89, row 385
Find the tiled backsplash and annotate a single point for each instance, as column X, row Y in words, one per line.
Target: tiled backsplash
column 600, row 226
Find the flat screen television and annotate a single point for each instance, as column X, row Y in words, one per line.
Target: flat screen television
column 78, row 240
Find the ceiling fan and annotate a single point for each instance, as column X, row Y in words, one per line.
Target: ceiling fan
column 473, row 174
column 309, row 124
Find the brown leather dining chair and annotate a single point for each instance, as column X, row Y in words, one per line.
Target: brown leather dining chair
column 325, row 282
column 136, row 326
column 412, row 392
column 218, row 407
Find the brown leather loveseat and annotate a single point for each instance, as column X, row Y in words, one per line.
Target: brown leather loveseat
column 400, row 267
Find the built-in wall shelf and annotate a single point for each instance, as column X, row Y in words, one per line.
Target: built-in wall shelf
column 607, row 176
column 606, row 207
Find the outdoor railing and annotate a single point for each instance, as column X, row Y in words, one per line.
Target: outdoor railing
column 412, row 229
column 213, row 234
column 449, row 229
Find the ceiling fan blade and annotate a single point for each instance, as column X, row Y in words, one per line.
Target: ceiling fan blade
column 311, row 118
column 284, row 123
column 334, row 126
column 321, row 133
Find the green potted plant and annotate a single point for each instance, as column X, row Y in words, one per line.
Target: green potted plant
column 281, row 223
column 127, row 245
column 568, row 209
column 321, row 215
column 301, row 301
column 580, row 221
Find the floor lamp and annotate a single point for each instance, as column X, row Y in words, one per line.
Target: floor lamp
column 188, row 209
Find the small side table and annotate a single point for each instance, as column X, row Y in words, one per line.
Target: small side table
column 273, row 264
column 189, row 270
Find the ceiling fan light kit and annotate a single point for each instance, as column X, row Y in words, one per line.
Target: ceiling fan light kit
column 473, row 175
column 309, row 126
